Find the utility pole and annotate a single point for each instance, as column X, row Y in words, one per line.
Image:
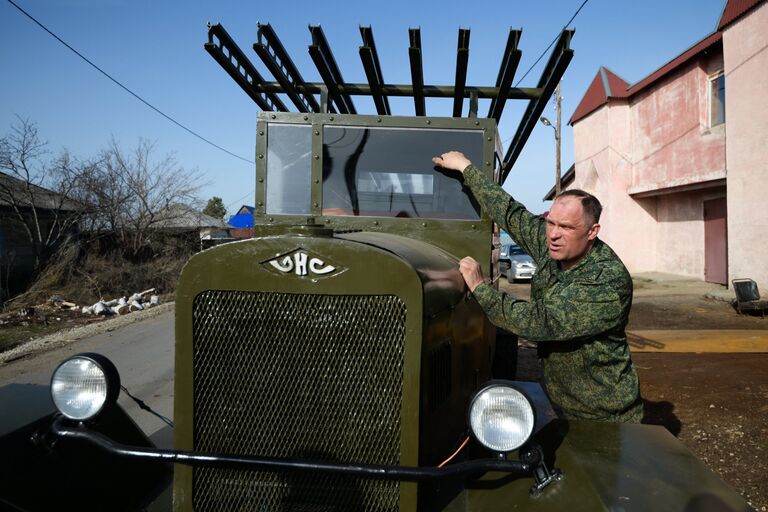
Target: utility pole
column 557, row 127
column 557, row 140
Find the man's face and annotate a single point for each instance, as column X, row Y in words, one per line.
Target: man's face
column 569, row 235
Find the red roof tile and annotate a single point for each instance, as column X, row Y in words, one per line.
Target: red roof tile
column 677, row 62
column 733, row 10
column 606, row 84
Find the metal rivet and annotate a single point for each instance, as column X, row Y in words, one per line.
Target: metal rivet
column 327, row 221
column 378, row 120
column 274, row 116
column 317, row 157
column 424, row 224
column 317, row 132
column 473, row 226
column 315, row 205
column 477, row 123
column 261, row 155
column 331, row 118
column 317, row 181
column 375, row 223
column 261, row 180
column 260, row 203
column 271, row 219
column 429, row 122
column 261, row 132
column 489, row 139
column 487, row 164
column 306, row 117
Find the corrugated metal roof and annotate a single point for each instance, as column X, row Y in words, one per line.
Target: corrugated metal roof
column 734, row 9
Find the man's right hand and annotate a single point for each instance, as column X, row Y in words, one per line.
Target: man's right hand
column 453, row 160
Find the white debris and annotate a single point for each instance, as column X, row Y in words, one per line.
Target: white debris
column 136, row 306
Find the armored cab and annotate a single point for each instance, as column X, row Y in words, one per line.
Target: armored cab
column 342, row 330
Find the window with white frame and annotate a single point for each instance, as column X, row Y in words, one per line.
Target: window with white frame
column 716, row 99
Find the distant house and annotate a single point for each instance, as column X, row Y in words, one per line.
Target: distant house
column 241, row 223
column 679, row 158
column 17, row 252
column 180, row 219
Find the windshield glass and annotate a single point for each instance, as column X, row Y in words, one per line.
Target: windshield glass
column 388, row 172
column 289, row 169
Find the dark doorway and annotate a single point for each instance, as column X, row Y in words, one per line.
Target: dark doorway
column 716, row 241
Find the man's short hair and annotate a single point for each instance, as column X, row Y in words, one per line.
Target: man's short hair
column 592, row 207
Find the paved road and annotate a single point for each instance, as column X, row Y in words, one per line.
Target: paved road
column 144, row 355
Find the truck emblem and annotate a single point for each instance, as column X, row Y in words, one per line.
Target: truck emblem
column 302, row 264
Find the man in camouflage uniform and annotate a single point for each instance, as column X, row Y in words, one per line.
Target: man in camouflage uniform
column 580, row 299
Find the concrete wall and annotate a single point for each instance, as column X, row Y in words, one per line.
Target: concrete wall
column 745, row 46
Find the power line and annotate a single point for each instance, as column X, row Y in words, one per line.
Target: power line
column 550, row 44
column 251, row 193
column 546, row 50
column 126, row 89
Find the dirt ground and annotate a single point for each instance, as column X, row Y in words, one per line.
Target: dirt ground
column 716, row 404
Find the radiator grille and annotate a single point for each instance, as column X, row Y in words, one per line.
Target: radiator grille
column 300, row 376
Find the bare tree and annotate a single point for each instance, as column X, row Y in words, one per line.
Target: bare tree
column 39, row 192
column 135, row 193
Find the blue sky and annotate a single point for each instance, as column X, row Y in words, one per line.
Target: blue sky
column 156, row 49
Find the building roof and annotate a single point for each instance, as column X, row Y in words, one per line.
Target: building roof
column 14, row 190
column 180, row 216
column 241, row 220
column 565, row 180
column 735, row 9
column 246, row 209
column 607, row 84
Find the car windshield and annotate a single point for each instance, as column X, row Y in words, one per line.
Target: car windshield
column 511, row 250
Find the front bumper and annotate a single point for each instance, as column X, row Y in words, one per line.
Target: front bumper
column 64, row 429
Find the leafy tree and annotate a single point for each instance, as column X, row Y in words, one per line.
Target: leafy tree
column 215, row 208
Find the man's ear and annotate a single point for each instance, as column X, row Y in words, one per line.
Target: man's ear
column 593, row 231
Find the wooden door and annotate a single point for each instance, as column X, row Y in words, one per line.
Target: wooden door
column 716, row 241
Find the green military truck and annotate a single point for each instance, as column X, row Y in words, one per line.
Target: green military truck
column 336, row 361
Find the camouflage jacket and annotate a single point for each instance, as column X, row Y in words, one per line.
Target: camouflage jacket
column 576, row 316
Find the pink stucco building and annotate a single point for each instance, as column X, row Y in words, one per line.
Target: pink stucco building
column 679, row 159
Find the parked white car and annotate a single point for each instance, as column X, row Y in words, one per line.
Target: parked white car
column 515, row 263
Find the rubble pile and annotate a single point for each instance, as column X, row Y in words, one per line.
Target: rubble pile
column 136, row 302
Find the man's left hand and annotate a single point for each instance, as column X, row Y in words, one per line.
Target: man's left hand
column 470, row 270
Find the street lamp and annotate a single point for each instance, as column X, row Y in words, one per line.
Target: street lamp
column 556, row 128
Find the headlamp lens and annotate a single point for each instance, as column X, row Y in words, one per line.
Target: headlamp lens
column 501, row 418
column 79, row 388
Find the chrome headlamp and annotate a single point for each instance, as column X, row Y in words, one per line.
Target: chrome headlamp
column 84, row 385
column 501, row 417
